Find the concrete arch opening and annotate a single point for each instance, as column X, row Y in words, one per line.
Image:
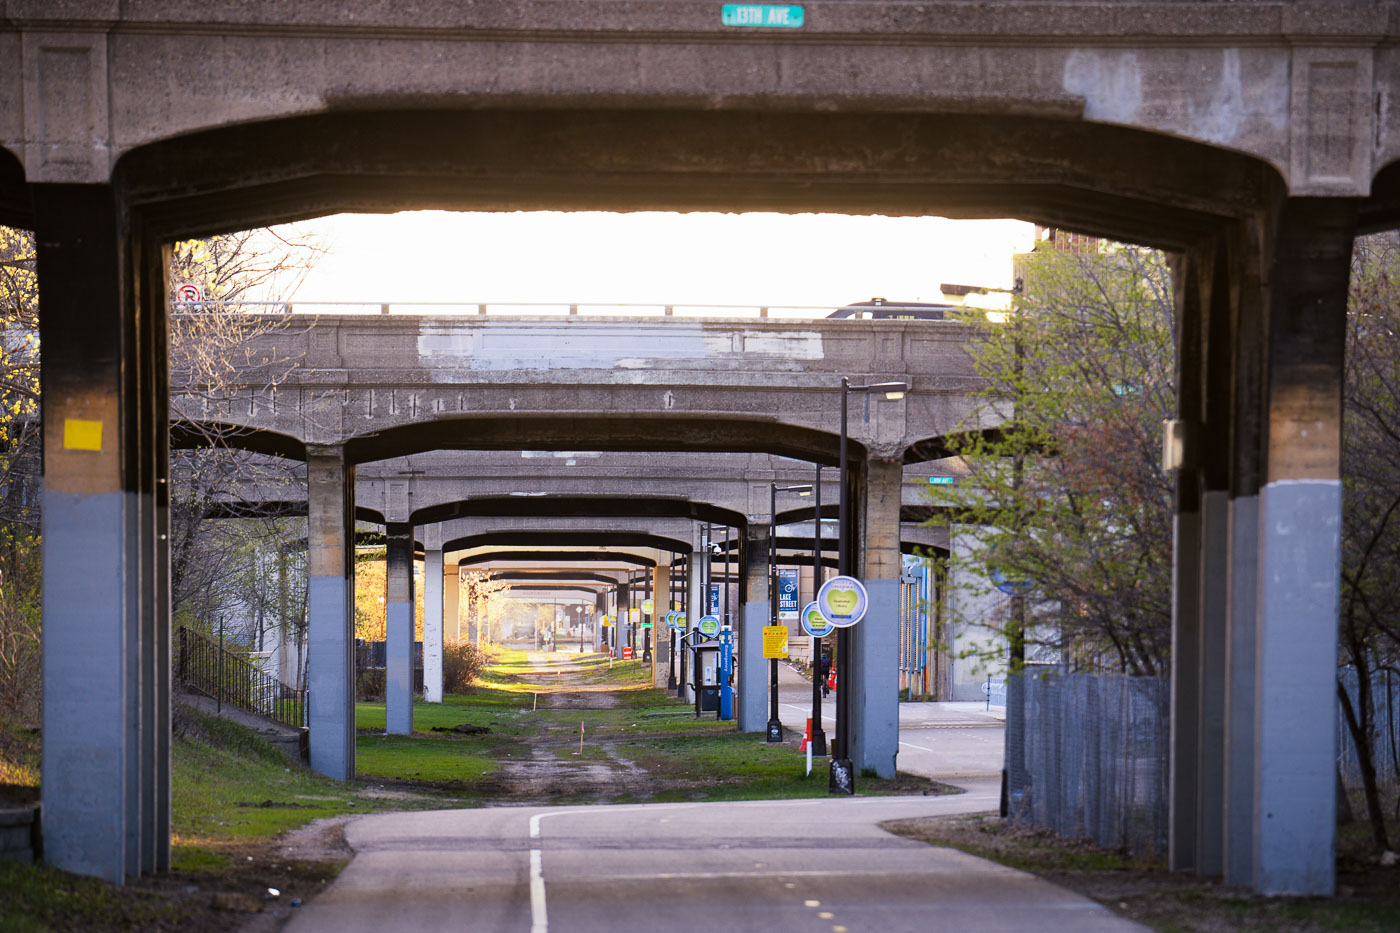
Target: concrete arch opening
column 1228, row 214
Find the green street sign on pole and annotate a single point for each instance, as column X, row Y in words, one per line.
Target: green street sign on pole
column 940, row 481
column 763, row 15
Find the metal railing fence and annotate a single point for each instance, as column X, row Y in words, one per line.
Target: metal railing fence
column 203, row 666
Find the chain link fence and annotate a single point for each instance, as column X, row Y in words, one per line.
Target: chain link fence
column 1385, row 735
column 1096, row 759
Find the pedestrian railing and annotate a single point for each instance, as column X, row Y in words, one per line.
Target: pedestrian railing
column 203, row 666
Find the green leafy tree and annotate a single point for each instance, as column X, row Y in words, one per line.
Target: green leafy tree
column 1068, row 497
column 20, row 576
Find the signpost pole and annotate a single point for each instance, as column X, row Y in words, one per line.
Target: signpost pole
column 842, row 779
column 775, row 726
column 817, row 744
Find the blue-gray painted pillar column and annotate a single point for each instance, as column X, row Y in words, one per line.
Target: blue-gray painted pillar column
column 1184, row 741
column 1217, row 437
column 106, row 785
column 432, row 624
column 875, row 673
column 694, row 609
column 751, row 702
column 1300, row 549
column 398, row 617
column 330, row 610
column 660, row 631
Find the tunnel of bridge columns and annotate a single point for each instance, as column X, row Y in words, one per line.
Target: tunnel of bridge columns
column 1261, row 282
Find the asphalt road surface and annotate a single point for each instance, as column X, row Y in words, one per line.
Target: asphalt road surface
column 822, row 865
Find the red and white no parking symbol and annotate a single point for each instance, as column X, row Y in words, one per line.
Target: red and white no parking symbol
column 189, row 294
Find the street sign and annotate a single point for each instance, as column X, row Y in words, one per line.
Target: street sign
column 648, row 606
column 941, row 481
column 680, row 621
column 709, row 625
column 634, row 616
column 842, row 601
column 670, row 618
column 814, row 623
column 189, row 294
column 714, row 599
column 775, row 639
column 763, row 15
column 787, row 594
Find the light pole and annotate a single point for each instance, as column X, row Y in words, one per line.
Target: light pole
column 842, row 774
column 775, row 726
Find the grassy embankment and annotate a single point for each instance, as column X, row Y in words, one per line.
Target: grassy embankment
column 1367, row 901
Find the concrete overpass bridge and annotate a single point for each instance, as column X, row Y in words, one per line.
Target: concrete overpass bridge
column 1252, row 138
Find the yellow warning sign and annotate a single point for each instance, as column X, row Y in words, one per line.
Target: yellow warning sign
column 79, row 434
column 775, row 639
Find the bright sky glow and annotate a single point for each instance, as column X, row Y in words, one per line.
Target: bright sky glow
column 702, row 258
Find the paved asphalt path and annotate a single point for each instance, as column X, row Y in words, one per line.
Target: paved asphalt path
column 823, row 866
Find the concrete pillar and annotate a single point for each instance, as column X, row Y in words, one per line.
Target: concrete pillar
column 106, row 697
column 1300, row 549
column 661, row 632
column 398, row 611
column 751, row 705
column 451, row 603
column 330, row 610
column 875, row 674
column 1184, row 740
column 1238, row 792
column 432, row 625
column 623, row 625
column 1212, row 646
column 695, row 608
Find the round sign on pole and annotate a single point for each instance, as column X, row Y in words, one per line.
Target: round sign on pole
column 709, row 625
column 648, row 606
column 189, row 294
column 842, row 601
column 814, row 623
column 680, row 621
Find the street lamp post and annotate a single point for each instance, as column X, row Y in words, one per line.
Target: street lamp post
column 775, row 726
column 842, row 773
column 818, row 735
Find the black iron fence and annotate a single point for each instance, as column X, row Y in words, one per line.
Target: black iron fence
column 202, row 666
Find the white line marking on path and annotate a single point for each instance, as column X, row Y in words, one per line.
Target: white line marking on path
column 919, row 747
column 539, row 916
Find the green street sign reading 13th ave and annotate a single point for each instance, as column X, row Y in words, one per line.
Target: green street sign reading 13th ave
column 762, row 14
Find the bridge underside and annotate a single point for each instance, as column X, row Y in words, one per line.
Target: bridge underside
column 1262, row 297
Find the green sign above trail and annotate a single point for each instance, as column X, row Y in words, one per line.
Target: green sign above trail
column 763, row 15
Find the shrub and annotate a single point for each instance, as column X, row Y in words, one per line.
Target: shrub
column 461, row 663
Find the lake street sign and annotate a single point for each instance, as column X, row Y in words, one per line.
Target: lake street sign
column 763, row 15
column 787, row 594
column 775, row 641
column 842, row 601
column 941, row 481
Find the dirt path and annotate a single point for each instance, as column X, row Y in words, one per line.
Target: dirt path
column 557, row 770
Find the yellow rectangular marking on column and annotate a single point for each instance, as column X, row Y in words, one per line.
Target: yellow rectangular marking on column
column 775, row 638
column 80, row 434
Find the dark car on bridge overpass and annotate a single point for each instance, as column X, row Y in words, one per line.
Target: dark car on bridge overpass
column 882, row 309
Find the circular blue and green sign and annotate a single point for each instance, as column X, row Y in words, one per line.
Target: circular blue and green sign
column 709, row 625
column 814, row 623
column 842, row 601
